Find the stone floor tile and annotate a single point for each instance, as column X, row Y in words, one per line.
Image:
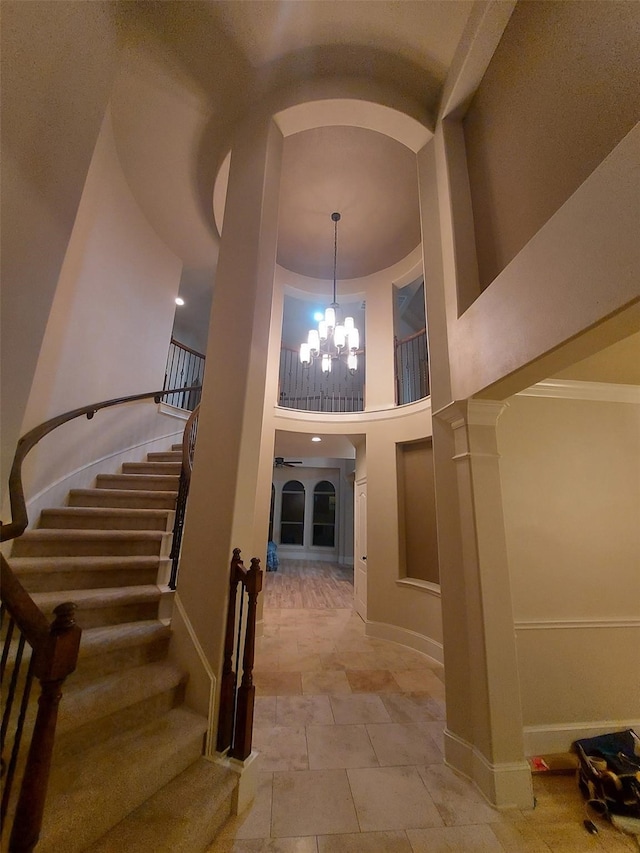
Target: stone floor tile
column 303, row 711
column 326, row 681
column 365, row 842
column 411, row 707
column 277, row 683
column 391, row 798
column 316, row 646
column 343, row 660
column 403, row 743
column 455, row 839
column 359, row 708
column 281, row 747
column 293, row 661
column 304, row 844
column 264, row 711
column 339, row 747
column 372, row 681
column 420, row 681
column 313, row 802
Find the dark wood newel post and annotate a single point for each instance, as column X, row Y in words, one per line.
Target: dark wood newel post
column 246, row 693
column 227, row 683
column 57, row 659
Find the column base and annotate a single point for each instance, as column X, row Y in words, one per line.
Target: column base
column 504, row 785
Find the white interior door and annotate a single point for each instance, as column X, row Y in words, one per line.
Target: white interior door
column 360, row 562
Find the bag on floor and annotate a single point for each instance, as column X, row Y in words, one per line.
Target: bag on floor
column 609, row 772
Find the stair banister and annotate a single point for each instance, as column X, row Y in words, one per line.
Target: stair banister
column 235, row 721
column 19, row 516
column 188, row 449
column 54, row 656
column 54, row 649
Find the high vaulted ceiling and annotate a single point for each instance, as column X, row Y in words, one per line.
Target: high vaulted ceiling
column 194, row 68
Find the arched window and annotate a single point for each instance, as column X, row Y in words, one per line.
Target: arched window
column 324, row 515
column 292, row 517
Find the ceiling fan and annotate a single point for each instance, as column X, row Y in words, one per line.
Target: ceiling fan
column 281, row 462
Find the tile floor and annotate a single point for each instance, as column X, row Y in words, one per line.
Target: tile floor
column 350, row 734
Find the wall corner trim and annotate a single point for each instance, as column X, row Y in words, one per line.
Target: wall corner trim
column 406, row 637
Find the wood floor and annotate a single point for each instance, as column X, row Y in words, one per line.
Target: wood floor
column 305, row 584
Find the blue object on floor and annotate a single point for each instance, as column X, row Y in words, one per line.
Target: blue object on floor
column 272, row 557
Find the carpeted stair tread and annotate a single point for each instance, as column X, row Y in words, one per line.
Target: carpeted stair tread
column 68, row 573
column 104, row 518
column 93, row 791
column 153, row 467
column 103, row 605
column 91, row 543
column 165, row 456
column 144, row 482
column 85, row 703
column 108, row 638
column 104, row 597
column 125, row 498
column 183, row 817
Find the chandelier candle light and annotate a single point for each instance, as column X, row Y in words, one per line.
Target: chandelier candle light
column 336, row 336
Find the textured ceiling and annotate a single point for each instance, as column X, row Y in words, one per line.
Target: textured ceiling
column 370, row 179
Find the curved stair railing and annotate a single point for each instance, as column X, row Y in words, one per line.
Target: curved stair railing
column 34, row 649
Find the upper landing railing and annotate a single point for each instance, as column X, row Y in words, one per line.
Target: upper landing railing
column 184, row 372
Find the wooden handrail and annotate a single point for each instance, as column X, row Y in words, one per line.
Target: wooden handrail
column 19, row 515
column 400, row 341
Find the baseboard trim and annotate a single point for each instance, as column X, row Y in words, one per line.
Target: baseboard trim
column 406, row 637
column 561, row 624
column 540, row 740
column 504, row 785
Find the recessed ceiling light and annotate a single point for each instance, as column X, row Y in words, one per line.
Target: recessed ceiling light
column 179, row 300
column 316, row 438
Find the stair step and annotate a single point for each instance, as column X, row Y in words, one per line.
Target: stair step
column 165, row 456
column 104, row 518
column 140, row 498
column 177, row 447
column 45, row 574
column 183, row 817
column 163, row 468
column 91, row 792
column 144, row 482
column 94, row 710
column 90, row 543
column 113, row 648
column 98, row 607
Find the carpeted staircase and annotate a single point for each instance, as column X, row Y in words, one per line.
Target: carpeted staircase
column 128, row 772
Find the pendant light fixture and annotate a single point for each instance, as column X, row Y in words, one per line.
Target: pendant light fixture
column 336, row 336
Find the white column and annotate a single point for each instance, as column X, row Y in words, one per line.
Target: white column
column 231, row 485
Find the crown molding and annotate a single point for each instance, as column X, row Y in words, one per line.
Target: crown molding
column 572, row 389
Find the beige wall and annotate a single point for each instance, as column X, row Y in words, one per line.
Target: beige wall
column 571, row 483
column 58, row 61
column 109, row 327
column 418, row 534
column 562, row 89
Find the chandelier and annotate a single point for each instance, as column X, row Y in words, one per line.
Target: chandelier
column 336, row 337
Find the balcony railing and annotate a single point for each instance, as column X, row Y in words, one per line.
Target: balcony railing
column 185, row 368
column 309, row 389
column 412, row 368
